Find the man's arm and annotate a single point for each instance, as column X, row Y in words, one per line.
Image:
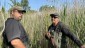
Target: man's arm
column 17, row 43
column 13, row 34
column 83, row 46
column 47, row 35
column 65, row 30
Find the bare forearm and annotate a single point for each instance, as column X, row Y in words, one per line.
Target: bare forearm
column 17, row 43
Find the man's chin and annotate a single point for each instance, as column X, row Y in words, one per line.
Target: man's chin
column 20, row 19
column 53, row 22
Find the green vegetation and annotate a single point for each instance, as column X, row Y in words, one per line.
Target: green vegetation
column 36, row 24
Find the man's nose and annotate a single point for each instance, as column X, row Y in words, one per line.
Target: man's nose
column 52, row 18
column 21, row 14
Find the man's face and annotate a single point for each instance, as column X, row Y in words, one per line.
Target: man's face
column 54, row 20
column 17, row 14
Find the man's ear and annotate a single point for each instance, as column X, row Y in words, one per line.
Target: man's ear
column 12, row 12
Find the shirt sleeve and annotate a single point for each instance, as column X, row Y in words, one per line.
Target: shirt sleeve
column 65, row 30
column 12, row 31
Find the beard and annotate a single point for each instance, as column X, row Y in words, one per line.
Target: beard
column 19, row 18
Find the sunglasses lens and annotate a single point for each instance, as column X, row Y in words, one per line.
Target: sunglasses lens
column 20, row 12
column 54, row 17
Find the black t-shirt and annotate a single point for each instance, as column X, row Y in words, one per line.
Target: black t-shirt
column 13, row 30
column 60, row 27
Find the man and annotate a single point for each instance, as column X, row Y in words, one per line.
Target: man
column 14, row 35
column 56, row 33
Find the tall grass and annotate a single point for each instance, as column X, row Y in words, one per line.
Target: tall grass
column 36, row 25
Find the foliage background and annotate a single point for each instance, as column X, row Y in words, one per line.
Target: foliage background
column 36, row 23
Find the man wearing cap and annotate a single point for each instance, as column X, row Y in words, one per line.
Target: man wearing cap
column 14, row 35
column 57, row 32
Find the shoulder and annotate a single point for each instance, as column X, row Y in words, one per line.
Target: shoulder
column 63, row 26
column 11, row 21
column 50, row 26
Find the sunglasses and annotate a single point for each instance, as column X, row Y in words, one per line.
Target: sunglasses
column 20, row 11
column 54, row 17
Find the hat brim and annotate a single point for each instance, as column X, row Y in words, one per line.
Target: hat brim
column 54, row 15
column 24, row 11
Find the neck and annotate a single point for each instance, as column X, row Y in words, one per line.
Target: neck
column 56, row 23
column 14, row 17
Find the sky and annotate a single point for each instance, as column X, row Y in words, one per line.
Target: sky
column 36, row 4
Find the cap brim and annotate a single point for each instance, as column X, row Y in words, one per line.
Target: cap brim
column 54, row 15
column 24, row 11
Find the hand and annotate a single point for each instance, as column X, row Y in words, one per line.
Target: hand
column 83, row 46
column 48, row 34
column 53, row 42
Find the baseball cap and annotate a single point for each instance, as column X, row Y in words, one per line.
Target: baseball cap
column 18, row 8
column 54, row 15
